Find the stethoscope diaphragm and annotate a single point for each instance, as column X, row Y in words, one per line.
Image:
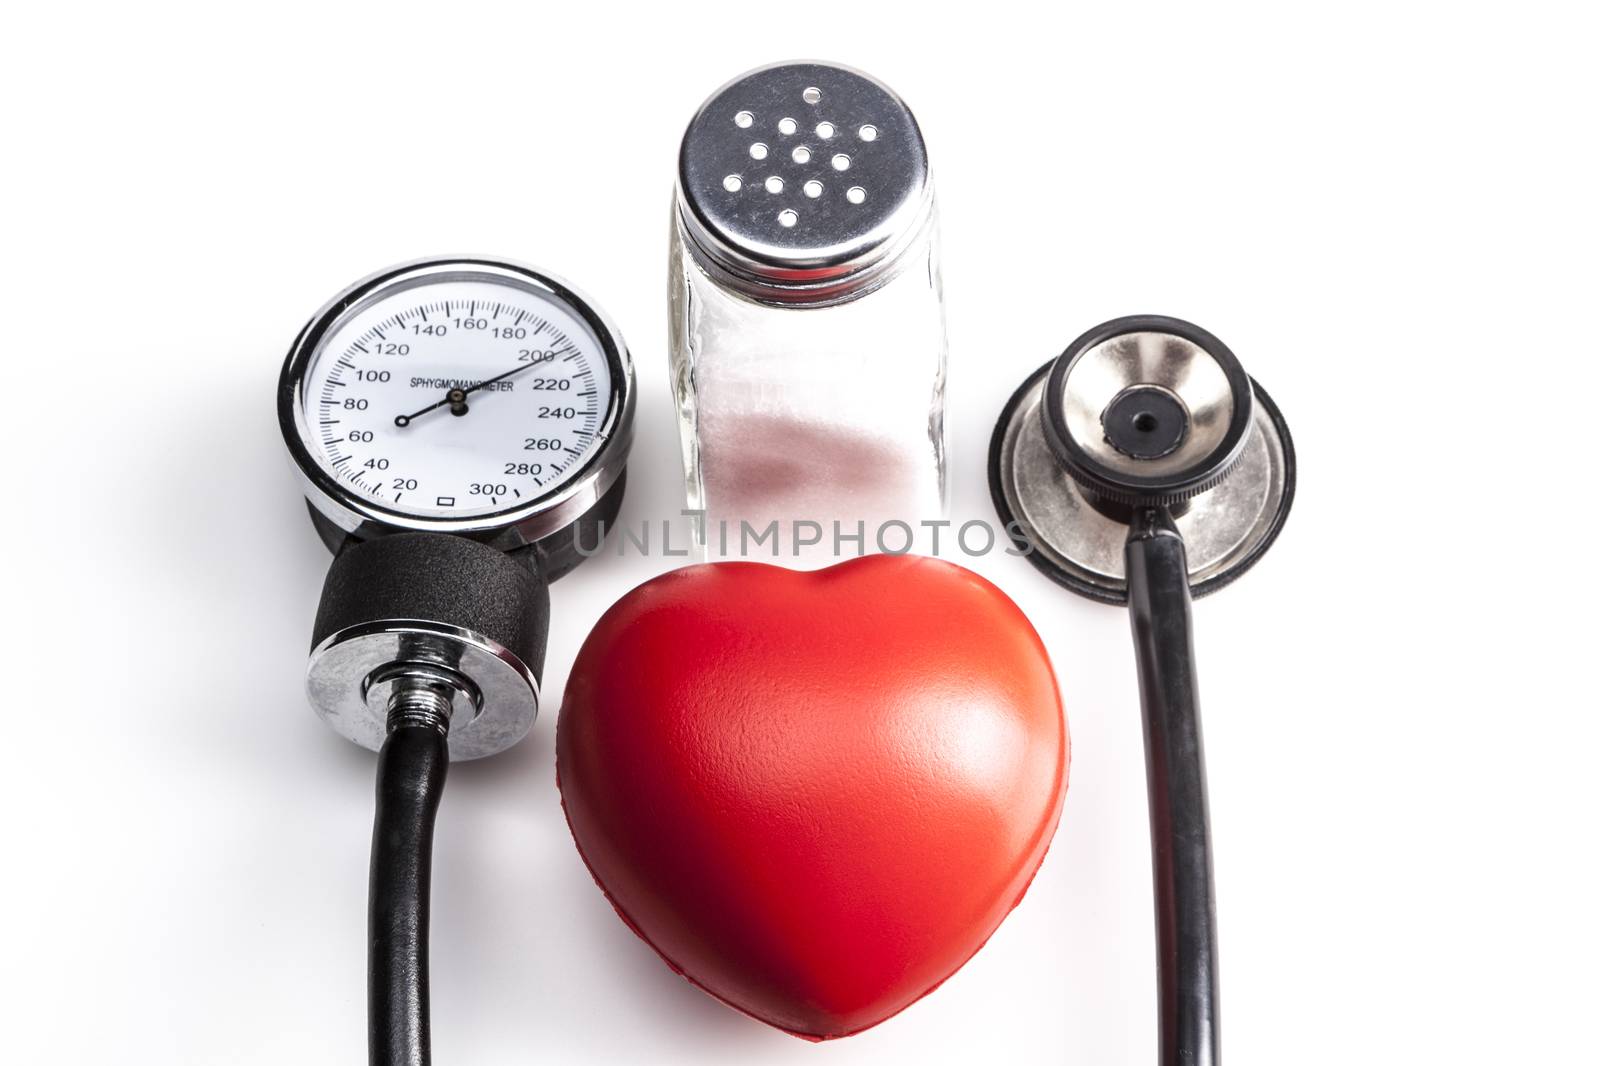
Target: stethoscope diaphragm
column 1141, row 407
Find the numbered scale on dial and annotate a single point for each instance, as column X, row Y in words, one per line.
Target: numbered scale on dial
column 453, row 394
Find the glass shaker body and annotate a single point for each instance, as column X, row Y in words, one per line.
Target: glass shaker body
column 806, row 320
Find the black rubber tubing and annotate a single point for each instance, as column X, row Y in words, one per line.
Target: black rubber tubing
column 411, row 773
column 1180, row 826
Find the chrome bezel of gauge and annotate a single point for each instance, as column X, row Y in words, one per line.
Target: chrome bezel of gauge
column 532, row 520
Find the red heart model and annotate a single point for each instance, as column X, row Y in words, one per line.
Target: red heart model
column 815, row 794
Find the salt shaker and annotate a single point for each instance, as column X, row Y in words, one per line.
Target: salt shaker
column 807, row 325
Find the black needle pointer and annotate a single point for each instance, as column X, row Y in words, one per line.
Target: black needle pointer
column 457, row 397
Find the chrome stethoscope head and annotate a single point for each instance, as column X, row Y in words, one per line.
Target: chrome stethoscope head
column 1142, row 411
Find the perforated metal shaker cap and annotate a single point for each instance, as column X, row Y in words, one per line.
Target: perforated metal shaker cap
column 802, row 181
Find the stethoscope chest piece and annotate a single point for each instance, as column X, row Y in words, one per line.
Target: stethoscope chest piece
column 1144, row 410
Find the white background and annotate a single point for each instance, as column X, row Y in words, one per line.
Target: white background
column 1387, row 210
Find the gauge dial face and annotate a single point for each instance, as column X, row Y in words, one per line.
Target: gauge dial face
column 456, row 397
